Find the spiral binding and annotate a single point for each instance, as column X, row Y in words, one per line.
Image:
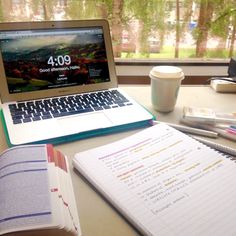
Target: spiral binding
column 228, row 151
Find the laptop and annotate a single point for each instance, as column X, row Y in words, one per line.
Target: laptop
column 58, row 83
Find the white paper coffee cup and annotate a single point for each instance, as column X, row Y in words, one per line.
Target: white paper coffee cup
column 165, row 83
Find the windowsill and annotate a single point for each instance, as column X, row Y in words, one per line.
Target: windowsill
column 196, row 71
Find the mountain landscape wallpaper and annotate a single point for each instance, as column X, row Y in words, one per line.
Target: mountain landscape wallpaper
column 36, row 63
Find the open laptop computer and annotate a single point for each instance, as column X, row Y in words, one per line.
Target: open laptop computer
column 58, row 82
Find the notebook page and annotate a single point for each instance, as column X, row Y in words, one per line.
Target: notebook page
column 165, row 182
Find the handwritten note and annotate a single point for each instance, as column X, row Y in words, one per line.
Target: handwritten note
column 166, row 182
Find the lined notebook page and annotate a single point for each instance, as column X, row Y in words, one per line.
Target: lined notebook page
column 165, row 183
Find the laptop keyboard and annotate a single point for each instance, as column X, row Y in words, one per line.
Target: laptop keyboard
column 23, row 112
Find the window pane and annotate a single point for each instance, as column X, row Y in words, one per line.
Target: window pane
column 145, row 28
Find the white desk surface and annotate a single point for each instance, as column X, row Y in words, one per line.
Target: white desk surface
column 97, row 217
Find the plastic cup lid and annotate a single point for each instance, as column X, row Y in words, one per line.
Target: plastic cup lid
column 167, row 72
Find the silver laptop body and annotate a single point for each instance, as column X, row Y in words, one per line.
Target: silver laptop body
column 42, row 62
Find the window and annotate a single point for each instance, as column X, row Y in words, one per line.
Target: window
column 180, row 31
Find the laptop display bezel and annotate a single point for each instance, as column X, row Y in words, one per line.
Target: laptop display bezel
column 12, row 26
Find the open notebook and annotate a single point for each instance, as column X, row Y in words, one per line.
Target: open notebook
column 58, row 82
column 165, row 183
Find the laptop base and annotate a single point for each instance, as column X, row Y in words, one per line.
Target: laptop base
column 82, row 135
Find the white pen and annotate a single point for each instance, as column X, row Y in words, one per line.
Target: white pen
column 225, row 134
column 217, row 146
column 191, row 130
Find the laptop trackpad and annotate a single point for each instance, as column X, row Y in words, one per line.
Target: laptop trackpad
column 83, row 122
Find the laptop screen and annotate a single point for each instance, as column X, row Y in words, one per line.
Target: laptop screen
column 44, row 59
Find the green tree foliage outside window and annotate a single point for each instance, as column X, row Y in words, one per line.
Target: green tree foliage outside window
column 151, row 29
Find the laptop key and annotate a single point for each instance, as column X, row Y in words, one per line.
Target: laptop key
column 75, row 112
column 56, row 115
column 26, row 120
column 12, row 106
column 121, row 104
column 36, row 118
column 114, row 106
column 98, row 108
column 37, row 114
column 27, row 116
column 17, row 117
column 45, row 117
column 46, row 113
column 106, row 107
column 16, row 111
column 17, row 121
